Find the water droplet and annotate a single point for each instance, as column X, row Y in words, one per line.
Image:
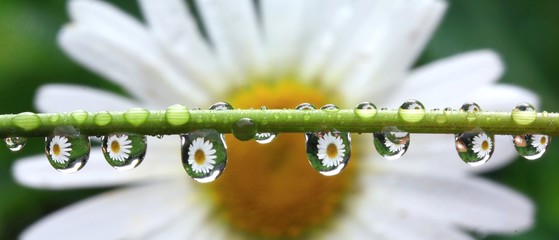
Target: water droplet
column 474, row 147
column 221, row 106
column 472, row 109
column 15, row 143
column 531, row 146
column 102, row 118
column 79, row 116
column 67, row 153
column 391, row 143
column 53, row 118
column 305, row 106
column 159, row 136
column 124, row 151
column 328, row 152
column 524, row 114
column 331, row 108
column 412, row 111
column 204, row 154
column 244, row 129
column 177, row 115
column 266, row 137
column 136, row 116
column 27, row 121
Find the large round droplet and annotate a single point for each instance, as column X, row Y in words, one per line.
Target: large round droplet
column 27, row 121
column 221, row 106
column 177, row 115
column 79, row 116
column 244, row 129
column 328, row 152
column 472, row 109
column 412, row 111
column 524, row 114
column 531, row 146
column 136, row 116
column 391, row 143
column 67, row 153
column 124, row 151
column 265, row 137
column 365, row 110
column 474, row 147
column 15, row 143
column 204, row 154
column 102, row 118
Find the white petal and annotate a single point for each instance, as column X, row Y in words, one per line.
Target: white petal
column 176, row 31
column 65, row 98
column 452, row 81
column 160, row 163
column 385, row 49
column 350, row 228
column 234, row 32
column 470, row 202
column 503, row 97
column 125, row 213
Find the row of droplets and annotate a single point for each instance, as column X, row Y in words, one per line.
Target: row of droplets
column 204, row 152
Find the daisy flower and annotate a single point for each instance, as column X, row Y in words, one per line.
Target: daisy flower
column 394, row 146
column 118, row 147
column 539, row 142
column 482, row 145
column 331, row 150
column 59, row 149
column 201, row 155
column 278, row 54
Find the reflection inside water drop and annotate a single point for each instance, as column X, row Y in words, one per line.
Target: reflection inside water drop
column 474, row 147
column 391, row 143
column 531, row 146
column 15, row 143
column 124, row 151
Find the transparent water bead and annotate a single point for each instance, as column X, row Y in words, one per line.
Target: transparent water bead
column 67, row 153
column 221, row 106
column 265, row 137
column 124, row 151
column 328, row 152
column 15, row 143
column 204, row 154
column 305, row 106
column 244, row 129
column 391, row 143
column 365, row 110
column 475, row 147
column 412, row 111
column 524, row 114
column 531, row 146
column 472, row 109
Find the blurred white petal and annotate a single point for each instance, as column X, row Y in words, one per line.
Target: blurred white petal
column 66, row 98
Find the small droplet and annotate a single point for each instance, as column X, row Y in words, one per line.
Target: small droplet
column 27, row 121
column 177, row 115
column 365, row 110
column 54, row 117
column 472, row 109
column 328, row 152
column 67, row 154
column 244, row 129
column 79, row 116
column 531, row 146
column 204, row 154
column 331, row 108
column 159, row 136
column 102, row 118
column 412, row 111
column 391, row 143
column 136, row 116
column 221, row 106
column 265, row 137
column 124, row 151
column 305, row 106
column 15, row 143
column 474, row 147
column 524, row 114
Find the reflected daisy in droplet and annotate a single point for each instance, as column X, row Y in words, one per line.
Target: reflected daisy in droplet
column 201, row 155
column 482, row 145
column 278, row 53
column 394, row 146
column 119, row 147
column 331, row 150
column 59, row 149
column 540, row 142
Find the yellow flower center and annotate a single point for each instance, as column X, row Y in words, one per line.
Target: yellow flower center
column 543, row 141
column 485, row 145
column 271, row 190
column 115, row 147
column 199, row 156
column 56, row 150
column 332, row 150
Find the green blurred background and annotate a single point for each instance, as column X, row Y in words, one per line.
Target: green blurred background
column 524, row 32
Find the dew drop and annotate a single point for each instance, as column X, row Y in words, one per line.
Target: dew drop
column 328, row 152
column 124, row 151
column 531, row 146
column 204, row 154
column 305, row 106
column 331, row 108
column 265, row 137
column 15, row 143
column 412, row 111
column 524, row 114
column 365, row 110
column 136, row 116
column 391, row 143
column 102, row 118
column 79, row 116
column 67, row 153
column 27, row 121
column 472, row 109
column 177, row 115
column 53, row 118
column 221, row 106
column 474, row 147
column 244, row 129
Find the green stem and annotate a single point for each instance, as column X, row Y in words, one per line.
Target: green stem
column 178, row 119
